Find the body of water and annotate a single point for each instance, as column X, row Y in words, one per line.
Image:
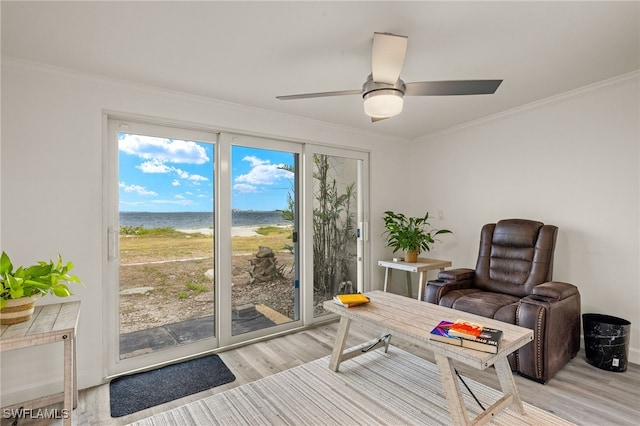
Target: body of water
column 198, row 220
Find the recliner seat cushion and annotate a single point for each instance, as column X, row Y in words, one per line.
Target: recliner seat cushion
column 489, row 305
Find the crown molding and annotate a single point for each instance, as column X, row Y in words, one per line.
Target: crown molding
column 21, row 66
column 623, row 78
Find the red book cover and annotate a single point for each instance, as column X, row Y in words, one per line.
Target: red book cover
column 465, row 329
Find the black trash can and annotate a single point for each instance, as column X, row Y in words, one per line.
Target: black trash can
column 606, row 341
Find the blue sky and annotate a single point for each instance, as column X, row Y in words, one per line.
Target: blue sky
column 171, row 175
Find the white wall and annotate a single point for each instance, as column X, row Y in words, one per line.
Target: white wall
column 51, row 186
column 572, row 161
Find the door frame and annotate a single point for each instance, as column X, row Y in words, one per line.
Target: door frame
column 362, row 220
column 223, row 237
column 222, row 142
column 115, row 366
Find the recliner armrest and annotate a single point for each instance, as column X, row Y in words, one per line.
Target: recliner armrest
column 454, row 279
column 459, row 274
column 553, row 313
column 555, row 290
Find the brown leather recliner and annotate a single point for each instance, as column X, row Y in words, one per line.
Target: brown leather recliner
column 512, row 283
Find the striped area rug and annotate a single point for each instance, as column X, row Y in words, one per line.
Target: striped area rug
column 396, row 388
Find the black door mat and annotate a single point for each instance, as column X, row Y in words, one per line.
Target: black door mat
column 143, row 390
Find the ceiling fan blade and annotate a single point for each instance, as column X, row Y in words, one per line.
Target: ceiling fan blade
column 387, row 57
column 320, row 94
column 374, row 119
column 454, row 87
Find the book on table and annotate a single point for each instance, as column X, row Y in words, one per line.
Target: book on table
column 465, row 329
column 487, row 341
column 350, row 300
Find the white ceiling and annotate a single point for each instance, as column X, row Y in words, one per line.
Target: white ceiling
column 250, row 52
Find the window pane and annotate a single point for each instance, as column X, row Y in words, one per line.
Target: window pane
column 264, row 288
column 166, row 243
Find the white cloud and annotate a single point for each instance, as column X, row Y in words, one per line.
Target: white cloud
column 163, row 150
column 137, row 189
column 188, row 176
column 198, row 178
column 244, row 188
column 255, row 161
column 181, row 173
column 180, row 196
column 262, row 172
column 154, row 166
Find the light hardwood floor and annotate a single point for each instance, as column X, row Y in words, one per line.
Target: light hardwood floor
column 579, row 393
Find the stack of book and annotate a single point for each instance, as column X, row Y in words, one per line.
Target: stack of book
column 468, row 335
column 350, row 300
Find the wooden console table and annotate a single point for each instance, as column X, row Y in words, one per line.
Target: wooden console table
column 422, row 266
column 414, row 320
column 49, row 324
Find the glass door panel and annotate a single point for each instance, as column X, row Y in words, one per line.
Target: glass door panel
column 165, row 243
column 336, row 215
column 264, row 289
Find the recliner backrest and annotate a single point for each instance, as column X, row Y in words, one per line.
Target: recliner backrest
column 515, row 255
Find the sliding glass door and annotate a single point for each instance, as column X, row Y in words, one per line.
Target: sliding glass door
column 337, row 222
column 264, row 216
column 215, row 239
column 161, row 244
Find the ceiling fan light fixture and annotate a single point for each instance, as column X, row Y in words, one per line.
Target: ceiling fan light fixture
column 383, row 103
column 383, row 90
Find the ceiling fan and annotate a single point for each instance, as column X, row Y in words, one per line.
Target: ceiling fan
column 383, row 90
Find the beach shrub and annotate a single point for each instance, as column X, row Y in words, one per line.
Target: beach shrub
column 163, row 231
column 196, row 288
column 130, row 230
column 269, row 230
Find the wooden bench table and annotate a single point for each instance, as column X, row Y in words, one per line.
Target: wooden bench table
column 414, row 320
column 49, row 324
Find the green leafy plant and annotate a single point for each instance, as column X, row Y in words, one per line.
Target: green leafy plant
column 409, row 233
column 196, row 288
column 40, row 279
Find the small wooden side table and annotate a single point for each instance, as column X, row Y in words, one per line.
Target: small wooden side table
column 49, row 324
column 422, row 266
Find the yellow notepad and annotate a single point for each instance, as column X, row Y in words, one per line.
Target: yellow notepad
column 350, row 300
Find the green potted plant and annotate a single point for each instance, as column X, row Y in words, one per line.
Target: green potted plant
column 20, row 288
column 409, row 234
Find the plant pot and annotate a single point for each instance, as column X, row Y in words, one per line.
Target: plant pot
column 18, row 310
column 411, row 256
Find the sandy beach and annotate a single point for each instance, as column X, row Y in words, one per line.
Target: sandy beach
column 236, row 231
